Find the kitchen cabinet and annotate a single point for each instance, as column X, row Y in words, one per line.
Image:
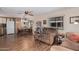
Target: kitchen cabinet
column 2, row 29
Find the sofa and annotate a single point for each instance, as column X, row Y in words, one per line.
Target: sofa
column 46, row 36
column 69, row 44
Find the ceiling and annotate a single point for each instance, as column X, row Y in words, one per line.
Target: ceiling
column 20, row 10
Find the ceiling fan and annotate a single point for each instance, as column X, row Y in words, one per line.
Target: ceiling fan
column 27, row 13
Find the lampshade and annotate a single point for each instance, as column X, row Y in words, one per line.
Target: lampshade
column 76, row 23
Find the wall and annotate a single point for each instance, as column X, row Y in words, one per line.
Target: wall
column 67, row 13
column 18, row 21
column 18, row 24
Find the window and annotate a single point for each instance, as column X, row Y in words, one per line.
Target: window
column 56, row 22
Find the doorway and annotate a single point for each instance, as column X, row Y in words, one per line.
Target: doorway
column 10, row 26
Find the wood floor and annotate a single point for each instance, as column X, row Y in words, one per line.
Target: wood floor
column 21, row 43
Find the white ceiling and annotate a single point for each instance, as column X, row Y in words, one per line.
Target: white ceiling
column 20, row 10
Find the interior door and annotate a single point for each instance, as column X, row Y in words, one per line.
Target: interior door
column 10, row 27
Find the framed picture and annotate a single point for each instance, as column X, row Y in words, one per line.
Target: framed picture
column 44, row 21
column 74, row 19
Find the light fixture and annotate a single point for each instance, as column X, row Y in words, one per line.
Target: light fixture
column 76, row 22
column 27, row 14
column 26, row 19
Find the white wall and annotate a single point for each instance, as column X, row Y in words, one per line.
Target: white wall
column 2, row 20
column 67, row 13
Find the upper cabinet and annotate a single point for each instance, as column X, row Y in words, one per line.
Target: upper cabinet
column 2, row 20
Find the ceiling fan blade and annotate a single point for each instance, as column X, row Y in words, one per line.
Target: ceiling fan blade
column 26, row 12
column 31, row 14
column 19, row 13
